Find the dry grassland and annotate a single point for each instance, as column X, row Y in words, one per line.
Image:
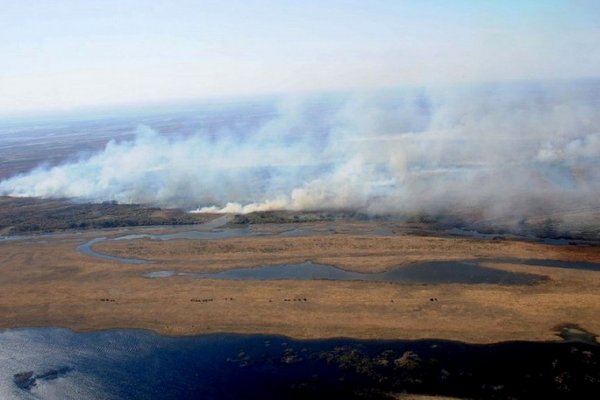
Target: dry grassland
column 46, row 282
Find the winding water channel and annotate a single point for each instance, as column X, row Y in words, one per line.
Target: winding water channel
column 432, row 272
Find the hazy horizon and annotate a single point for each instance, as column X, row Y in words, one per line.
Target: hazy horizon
column 60, row 57
column 183, row 105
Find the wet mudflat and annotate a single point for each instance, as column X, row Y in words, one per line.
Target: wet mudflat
column 137, row 364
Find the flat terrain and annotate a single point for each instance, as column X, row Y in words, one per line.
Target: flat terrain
column 47, row 282
column 32, row 215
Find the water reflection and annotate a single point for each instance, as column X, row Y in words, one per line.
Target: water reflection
column 52, row 363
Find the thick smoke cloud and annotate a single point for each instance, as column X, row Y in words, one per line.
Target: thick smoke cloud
column 498, row 149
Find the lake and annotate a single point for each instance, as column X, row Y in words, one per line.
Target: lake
column 54, row 363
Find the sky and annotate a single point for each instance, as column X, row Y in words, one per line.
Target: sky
column 65, row 55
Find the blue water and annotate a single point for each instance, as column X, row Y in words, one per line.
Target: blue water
column 52, row 363
column 135, row 364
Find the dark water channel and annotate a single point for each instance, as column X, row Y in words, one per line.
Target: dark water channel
column 215, row 234
column 426, row 273
column 470, row 271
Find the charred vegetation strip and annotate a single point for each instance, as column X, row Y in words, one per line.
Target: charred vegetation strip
column 30, row 215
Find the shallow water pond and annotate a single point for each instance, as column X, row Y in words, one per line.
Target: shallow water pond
column 426, row 273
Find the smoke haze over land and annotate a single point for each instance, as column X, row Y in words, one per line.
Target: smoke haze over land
column 501, row 149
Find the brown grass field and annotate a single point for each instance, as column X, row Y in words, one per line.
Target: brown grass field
column 46, row 282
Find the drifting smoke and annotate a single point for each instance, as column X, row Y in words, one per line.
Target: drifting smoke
column 496, row 148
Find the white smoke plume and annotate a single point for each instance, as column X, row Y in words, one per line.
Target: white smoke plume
column 497, row 148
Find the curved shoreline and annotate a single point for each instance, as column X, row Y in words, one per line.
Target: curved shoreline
column 212, row 233
column 590, row 338
column 86, row 248
column 331, row 368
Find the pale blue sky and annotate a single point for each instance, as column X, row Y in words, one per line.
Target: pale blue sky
column 61, row 55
